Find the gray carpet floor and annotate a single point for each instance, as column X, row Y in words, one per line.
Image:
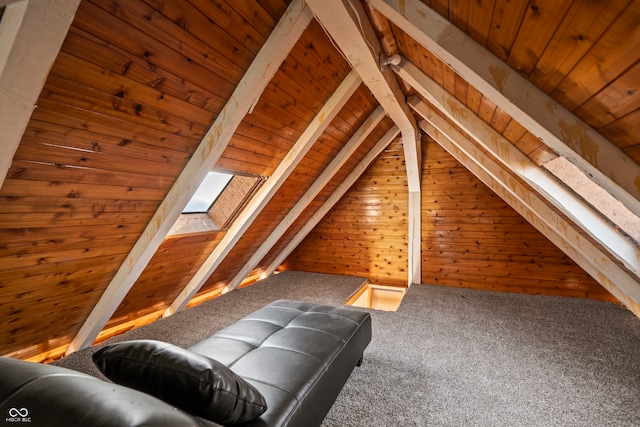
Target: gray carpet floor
column 455, row 357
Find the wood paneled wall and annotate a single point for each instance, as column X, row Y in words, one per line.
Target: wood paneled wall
column 365, row 234
column 303, row 176
column 470, row 237
column 294, row 96
column 257, row 148
column 130, row 95
column 138, row 82
column 168, row 272
column 385, row 125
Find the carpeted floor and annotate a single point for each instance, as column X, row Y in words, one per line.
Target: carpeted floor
column 455, row 357
column 191, row 326
column 459, row 357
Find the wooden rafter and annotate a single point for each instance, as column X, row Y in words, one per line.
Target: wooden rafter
column 352, row 145
column 545, row 118
column 7, row 2
column 263, row 68
column 315, row 129
column 348, row 24
column 589, row 256
column 22, row 48
column 591, row 223
column 333, row 199
column 623, row 282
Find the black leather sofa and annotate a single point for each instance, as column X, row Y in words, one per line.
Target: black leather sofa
column 283, row 365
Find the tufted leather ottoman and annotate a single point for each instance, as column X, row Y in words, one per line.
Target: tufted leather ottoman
column 297, row 354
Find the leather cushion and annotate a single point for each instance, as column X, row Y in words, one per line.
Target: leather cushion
column 34, row 394
column 192, row 382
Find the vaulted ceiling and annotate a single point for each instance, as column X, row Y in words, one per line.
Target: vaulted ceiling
column 112, row 113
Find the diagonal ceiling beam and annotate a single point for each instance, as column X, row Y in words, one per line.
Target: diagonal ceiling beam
column 315, row 129
column 613, row 261
column 31, row 34
column 6, row 2
column 557, row 127
column 345, row 154
column 589, row 221
column 348, row 25
column 333, row 199
column 266, row 63
column 622, row 283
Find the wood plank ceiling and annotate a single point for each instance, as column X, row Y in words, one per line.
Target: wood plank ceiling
column 145, row 96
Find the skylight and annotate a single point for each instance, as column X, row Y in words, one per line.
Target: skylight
column 216, row 203
column 208, row 192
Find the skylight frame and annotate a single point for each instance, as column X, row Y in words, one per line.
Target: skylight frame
column 237, row 190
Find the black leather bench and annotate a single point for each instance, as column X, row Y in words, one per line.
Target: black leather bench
column 297, row 354
column 294, row 356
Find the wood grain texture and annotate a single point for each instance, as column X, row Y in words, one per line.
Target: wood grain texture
column 138, row 82
column 122, row 110
column 166, row 274
column 470, row 237
column 366, row 233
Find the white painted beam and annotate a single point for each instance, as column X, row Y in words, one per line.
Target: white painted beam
column 31, row 34
column 263, row 68
column 535, row 110
column 415, row 238
column 587, row 221
column 315, row 129
column 565, row 200
column 333, row 199
column 622, row 283
column 7, row 2
column 347, row 151
column 348, row 25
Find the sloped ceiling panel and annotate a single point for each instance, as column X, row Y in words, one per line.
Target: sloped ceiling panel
column 138, row 84
column 123, row 109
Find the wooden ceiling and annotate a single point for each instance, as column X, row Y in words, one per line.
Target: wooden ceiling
column 145, row 96
column 583, row 54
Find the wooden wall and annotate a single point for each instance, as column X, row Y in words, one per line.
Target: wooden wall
column 385, row 125
column 168, row 272
column 303, row 176
column 365, row 234
column 470, row 237
column 257, row 148
column 129, row 97
column 136, row 85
